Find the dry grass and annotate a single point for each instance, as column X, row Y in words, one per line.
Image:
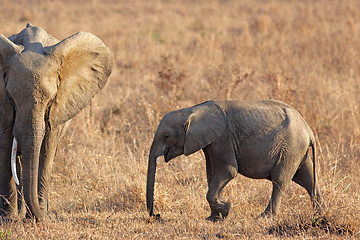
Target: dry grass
column 173, row 54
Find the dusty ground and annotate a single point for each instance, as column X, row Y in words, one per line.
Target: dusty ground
column 174, row 54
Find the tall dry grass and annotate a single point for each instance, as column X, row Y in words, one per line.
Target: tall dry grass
column 173, row 54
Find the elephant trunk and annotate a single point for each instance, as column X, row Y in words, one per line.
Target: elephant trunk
column 30, row 145
column 150, row 184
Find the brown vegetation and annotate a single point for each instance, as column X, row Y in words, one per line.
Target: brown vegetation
column 174, row 54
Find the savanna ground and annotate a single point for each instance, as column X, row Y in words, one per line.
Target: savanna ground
column 174, row 54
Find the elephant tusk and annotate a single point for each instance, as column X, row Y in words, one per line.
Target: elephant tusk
column 158, row 159
column 13, row 160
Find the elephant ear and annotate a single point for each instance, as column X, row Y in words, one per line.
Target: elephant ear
column 7, row 49
column 205, row 124
column 85, row 65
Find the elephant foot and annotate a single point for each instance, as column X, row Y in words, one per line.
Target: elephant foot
column 266, row 214
column 220, row 212
column 224, row 209
column 8, row 216
column 29, row 217
column 214, row 218
column 157, row 217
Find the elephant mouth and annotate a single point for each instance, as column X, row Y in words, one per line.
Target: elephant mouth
column 167, row 155
column 170, row 153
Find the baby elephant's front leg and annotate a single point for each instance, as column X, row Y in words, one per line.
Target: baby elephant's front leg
column 219, row 209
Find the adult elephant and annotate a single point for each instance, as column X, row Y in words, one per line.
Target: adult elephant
column 43, row 84
column 258, row 139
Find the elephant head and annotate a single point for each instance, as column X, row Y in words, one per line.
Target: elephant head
column 180, row 132
column 43, row 84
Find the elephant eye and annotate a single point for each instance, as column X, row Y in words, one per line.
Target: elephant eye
column 166, row 137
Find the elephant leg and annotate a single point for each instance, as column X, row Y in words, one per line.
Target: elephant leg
column 281, row 176
column 19, row 190
column 305, row 178
column 8, row 201
column 221, row 167
column 21, row 201
column 8, row 195
column 214, row 215
column 219, row 209
column 5, row 188
column 275, row 201
column 208, row 169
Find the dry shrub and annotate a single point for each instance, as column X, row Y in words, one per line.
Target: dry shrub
column 170, row 82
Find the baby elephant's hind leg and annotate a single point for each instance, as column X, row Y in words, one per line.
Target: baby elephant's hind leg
column 281, row 177
column 305, row 178
column 275, row 201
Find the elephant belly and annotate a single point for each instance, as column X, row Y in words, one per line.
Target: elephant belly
column 257, row 155
column 256, row 165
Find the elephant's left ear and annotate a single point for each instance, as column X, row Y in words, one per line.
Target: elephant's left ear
column 206, row 124
column 85, row 65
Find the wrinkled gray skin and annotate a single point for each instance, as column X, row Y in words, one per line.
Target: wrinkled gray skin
column 258, row 139
column 43, row 84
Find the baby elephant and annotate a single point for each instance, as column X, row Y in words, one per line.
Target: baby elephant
column 258, row 139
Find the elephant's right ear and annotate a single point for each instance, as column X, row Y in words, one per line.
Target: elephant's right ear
column 7, row 48
column 85, row 65
column 206, row 123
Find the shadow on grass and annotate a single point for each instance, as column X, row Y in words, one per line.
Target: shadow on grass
column 317, row 227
